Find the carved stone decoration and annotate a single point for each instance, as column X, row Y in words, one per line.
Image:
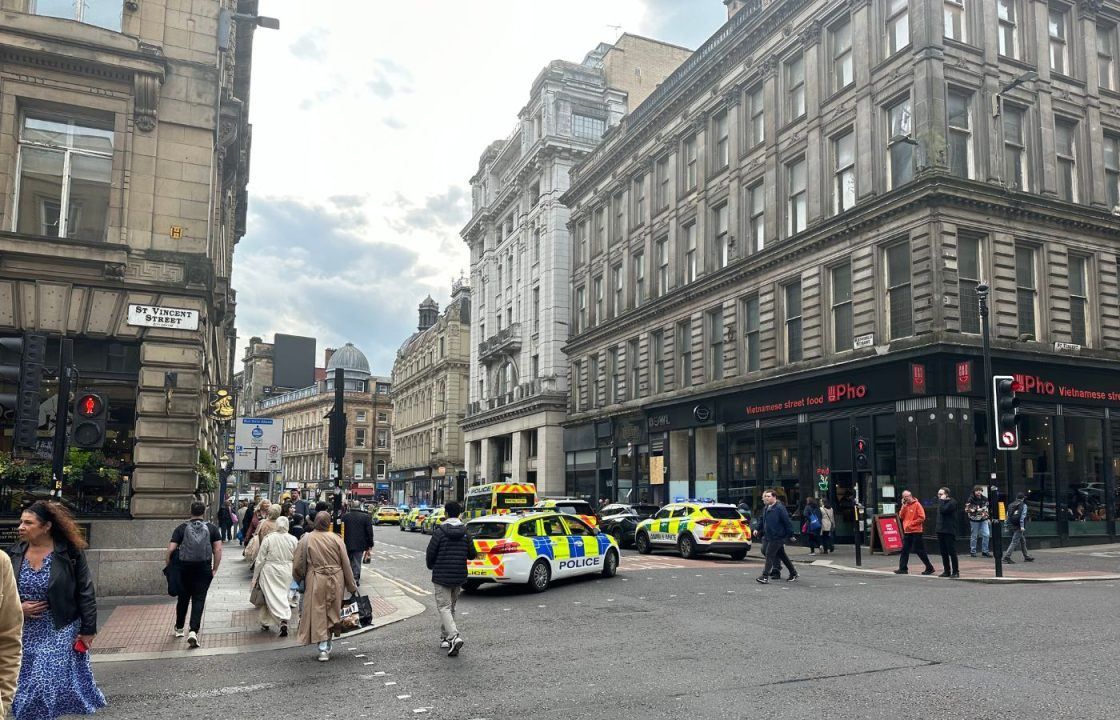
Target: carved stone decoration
column 146, row 87
column 114, row 271
column 811, row 35
column 1089, row 8
column 770, row 66
column 733, row 97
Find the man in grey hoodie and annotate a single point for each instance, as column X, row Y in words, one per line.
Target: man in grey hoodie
column 448, row 552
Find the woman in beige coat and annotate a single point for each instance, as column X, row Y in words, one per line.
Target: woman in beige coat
column 321, row 564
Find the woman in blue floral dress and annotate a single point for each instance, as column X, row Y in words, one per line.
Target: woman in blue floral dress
column 60, row 617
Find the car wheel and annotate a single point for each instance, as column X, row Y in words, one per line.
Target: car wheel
column 540, row 576
column 401, row 528
column 610, row 563
column 471, row 585
column 687, row 546
column 641, row 541
column 738, row 554
column 617, row 534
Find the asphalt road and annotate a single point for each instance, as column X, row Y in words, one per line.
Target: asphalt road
column 677, row 638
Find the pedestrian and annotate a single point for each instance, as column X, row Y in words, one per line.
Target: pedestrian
column 60, row 616
column 299, row 504
column 1017, row 522
column 225, row 520
column 268, row 525
column 11, row 630
column 359, row 537
column 296, row 528
column 947, row 533
column 744, row 509
column 828, row 527
column 777, row 528
column 244, row 517
column 913, row 518
column 979, row 521
column 811, row 524
column 448, row 552
column 260, row 514
column 199, row 545
column 321, row 565
column 272, row 576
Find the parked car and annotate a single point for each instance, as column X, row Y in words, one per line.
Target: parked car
column 414, row 519
column 620, row 520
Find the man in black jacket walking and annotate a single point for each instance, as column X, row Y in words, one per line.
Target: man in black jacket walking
column 447, row 556
column 777, row 528
column 358, row 528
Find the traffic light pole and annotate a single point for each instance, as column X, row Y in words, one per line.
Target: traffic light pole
column 62, row 412
column 856, row 508
column 993, row 489
column 338, row 427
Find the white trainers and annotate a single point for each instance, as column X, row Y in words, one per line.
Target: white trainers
column 178, row 632
column 445, row 644
column 324, row 656
column 192, row 639
column 456, row 645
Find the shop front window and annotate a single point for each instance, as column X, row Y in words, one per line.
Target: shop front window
column 744, row 473
column 1035, row 474
column 1085, row 498
column 782, row 471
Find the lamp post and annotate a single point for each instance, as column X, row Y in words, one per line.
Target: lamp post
column 223, row 479
column 993, row 490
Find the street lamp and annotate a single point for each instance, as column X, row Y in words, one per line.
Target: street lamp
column 228, row 17
column 223, row 478
column 993, row 490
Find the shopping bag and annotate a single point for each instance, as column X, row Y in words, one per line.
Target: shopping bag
column 357, row 612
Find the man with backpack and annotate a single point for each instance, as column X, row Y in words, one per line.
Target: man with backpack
column 1017, row 522
column 196, row 546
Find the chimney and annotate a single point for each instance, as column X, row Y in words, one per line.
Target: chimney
column 327, row 356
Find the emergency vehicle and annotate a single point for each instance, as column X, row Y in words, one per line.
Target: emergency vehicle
column 438, row 516
column 498, row 498
column 572, row 506
column 537, row 548
column 387, row 514
column 695, row 528
column 414, row 518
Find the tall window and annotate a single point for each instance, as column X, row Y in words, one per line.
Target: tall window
column 614, row 377
column 898, row 25
column 661, row 199
column 360, row 437
column 617, row 290
column 960, row 135
column 382, row 439
column 955, row 20
column 721, row 235
column 536, row 309
column 844, row 177
column 581, row 245
column 102, row 13
column 1112, row 169
column 900, row 310
column 792, row 296
column 1065, row 145
column 756, row 130
column 639, row 278
column 1106, row 56
column 1059, row 42
column 536, row 245
column 657, row 361
column 690, row 252
column 593, row 380
column 1007, row 12
column 843, row 64
column 795, row 87
column 581, row 309
column 969, row 276
column 639, row 201
column 715, row 344
column 841, row 286
column 721, row 147
column 684, row 353
column 662, row 266
column 587, row 128
column 756, row 206
column 65, row 172
column 632, row 384
column 1026, row 292
column 900, row 146
column 1014, row 147
column 600, row 231
column 688, row 152
column 797, row 211
column 577, row 385
column 597, row 293
column 751, row 350
column 1079, row 299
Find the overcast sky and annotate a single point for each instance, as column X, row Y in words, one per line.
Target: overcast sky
column 369, row 117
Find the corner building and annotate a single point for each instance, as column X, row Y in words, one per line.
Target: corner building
column 801, row 215
column 520, row 258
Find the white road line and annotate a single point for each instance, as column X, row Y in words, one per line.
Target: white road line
column 403, row 585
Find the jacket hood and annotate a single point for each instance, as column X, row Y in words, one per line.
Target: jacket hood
column 454, row 530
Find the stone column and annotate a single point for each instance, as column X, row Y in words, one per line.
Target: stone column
column 550, row 460
column 517, row 462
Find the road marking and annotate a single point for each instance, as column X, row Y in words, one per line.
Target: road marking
column 231, row 690
column 403, row 585
column 391, row 682
column 361, row 655
column 403, row 697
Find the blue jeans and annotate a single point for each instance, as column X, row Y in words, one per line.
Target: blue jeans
column 979, row 528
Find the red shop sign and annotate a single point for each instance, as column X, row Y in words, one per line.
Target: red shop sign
column 888, row 533
column 917, row 378
column 964, row 376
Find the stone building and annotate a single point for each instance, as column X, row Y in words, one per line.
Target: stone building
column 430, row 383
column 805, row 210
column 124, row 158
column 369, row 418
column 519, row 247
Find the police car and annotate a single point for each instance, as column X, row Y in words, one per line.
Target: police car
column 572, row 506
column 414, row 519
column 438, row 517
column 695, row 528
column 387, row 514
column 535, row 548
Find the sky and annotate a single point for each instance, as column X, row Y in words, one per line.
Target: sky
column 369, row 117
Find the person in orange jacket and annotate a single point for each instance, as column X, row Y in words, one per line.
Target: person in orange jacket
column 913, row 518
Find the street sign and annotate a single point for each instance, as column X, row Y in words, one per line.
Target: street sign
column 162, row 317
column 259, row 444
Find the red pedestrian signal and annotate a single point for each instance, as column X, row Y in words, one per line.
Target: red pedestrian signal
column 91, row 413
column 861, row 456
column 89, row 405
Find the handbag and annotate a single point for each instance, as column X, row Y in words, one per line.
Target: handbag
column 357, row 612
column 256, row 596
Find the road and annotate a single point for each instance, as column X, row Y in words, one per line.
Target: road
column 668, row 636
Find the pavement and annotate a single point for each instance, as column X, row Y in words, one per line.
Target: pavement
column 140, row 628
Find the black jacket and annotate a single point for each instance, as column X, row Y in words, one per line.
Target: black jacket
column 448, row 552
column 70, row 590
column 947, row 517
column 224, row 518
column 359, row 531
column 776, row 523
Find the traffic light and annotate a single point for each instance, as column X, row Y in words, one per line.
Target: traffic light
column 28, row 375
column 1004, row 389
column 860, row 448
column 336, row 436
column 91, row 411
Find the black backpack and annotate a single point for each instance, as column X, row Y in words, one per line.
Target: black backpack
column 1013, row 514
column 196, row 545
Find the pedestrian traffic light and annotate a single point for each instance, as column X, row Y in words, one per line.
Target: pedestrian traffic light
column 91, row 411
column 27, row 374
column 860, row 448
column 1004, row 391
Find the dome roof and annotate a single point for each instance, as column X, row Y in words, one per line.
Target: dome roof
column 350, row 359
column 429, row 303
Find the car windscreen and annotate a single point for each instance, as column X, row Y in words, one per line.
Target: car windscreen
column 575, row 508
column 487, row 530
column 644, row 511
column 512, row 501
column 723, row 513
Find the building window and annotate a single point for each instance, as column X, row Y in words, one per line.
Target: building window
column 1014, row 147
column 360, row 437
column 382, row 417
column 756, row 131
column 690, row 252
column 1106, row 56
column 361, row 416
column 600, row 230
column 960, row 135
column 633, row 367
column 751, row 349
column 587, row 128
column 657, row 360
column 617, row 291
column 684, row 353
column 798, row 208
column 969, row 276
column 843, row 63
column 577, row 385
column 898, row 25
column 1112, row 170
column 65, row 171
column 597, row 292
column 619, row 222
column 581, row 245
column 639, row 201
column 688, row 152
column 900, row 146
column 639, row 278
column 581, row 309
column 1026, row 293
column 955, row 21
column 900, row 305
column 841, row 286
column 844, row 177
column 792, row 294
column 1065, row 145
column 102, row 13
column 661, row 190
column 593, row 381
column 795, row 88
column 1079, row 299
column 614, row 377
column 1007, row 11
column 662, row 266
column 756, row 206
column 536, row 310
column 382, row 439
column 721, row 147
column 1059, row 44
column 535, row 366
column 715, row 344
column 721, row 231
